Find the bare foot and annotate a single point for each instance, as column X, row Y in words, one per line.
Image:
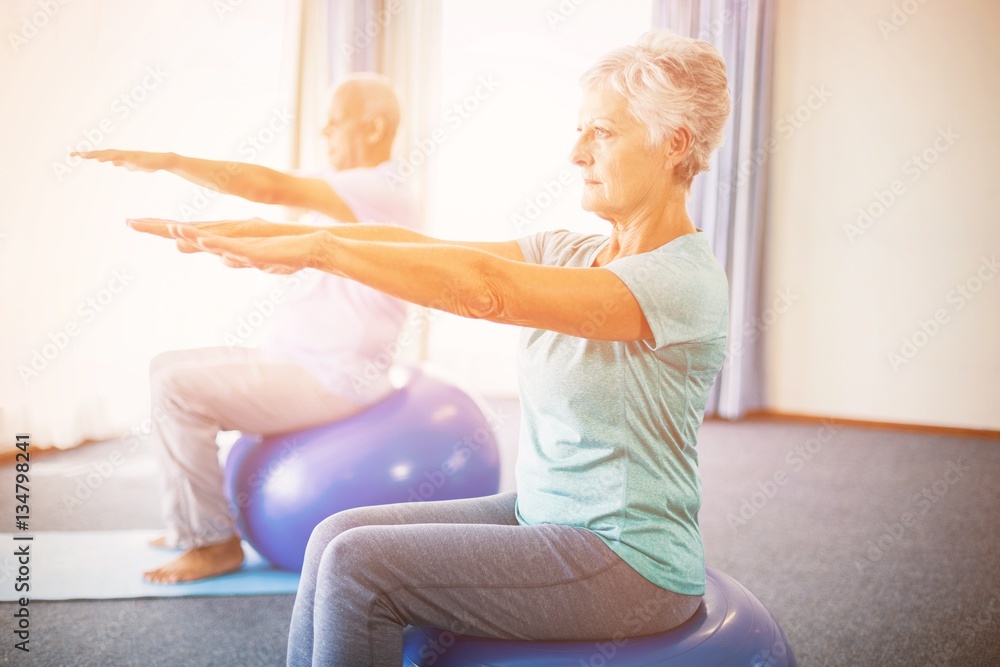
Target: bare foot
column 160, row 543
column 200, row 563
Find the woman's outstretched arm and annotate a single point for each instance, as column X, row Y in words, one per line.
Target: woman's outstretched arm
column 258, row 228
column 454, row 277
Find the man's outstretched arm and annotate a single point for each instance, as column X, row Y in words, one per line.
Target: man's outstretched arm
column 249, row 181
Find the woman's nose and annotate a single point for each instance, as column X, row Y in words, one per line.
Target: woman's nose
column 580, row 155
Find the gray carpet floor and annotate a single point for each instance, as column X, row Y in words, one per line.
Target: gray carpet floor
column 870, row 547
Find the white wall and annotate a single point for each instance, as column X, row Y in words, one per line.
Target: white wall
column 900, row 76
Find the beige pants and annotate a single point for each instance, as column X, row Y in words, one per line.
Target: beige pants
column 196, row 394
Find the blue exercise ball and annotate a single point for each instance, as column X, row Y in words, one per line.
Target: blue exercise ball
column 730, row 629
column 429, row 440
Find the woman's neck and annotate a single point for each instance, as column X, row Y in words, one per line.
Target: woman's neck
column 642, row 233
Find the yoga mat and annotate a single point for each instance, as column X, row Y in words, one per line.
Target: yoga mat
column 99, row 565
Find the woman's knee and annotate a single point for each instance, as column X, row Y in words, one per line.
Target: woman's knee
column 332, row 527
column 353, row 556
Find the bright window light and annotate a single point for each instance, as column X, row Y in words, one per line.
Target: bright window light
column 510, row 98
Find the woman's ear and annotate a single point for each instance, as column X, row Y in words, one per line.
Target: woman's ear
column 678, row 145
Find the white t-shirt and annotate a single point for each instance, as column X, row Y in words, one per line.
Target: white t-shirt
column 342, row 331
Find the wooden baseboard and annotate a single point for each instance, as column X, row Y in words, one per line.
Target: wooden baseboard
column 982, row 434
column 10, row 456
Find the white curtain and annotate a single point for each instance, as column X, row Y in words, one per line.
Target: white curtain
column 86, row 302
column 311, row 71
column 338, row 37
column 728, row 200
column 397, row 39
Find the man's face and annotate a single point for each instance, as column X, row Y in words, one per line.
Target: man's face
column 344, row 132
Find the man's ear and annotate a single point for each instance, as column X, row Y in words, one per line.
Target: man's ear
column 376, row 130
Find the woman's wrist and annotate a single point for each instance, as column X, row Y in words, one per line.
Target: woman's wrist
column 324, row 250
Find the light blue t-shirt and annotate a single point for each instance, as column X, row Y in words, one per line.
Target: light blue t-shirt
column 609, row 428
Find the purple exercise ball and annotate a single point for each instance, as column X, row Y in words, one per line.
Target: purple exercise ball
column 429, row 440
column 731, row 628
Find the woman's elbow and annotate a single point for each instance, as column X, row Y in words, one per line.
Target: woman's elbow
column 485, row 296
column 483, row 306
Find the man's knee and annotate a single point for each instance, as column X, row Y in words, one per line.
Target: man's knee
column 170, row 383
column 165, row 360
column 163, row 369
column 185, row 381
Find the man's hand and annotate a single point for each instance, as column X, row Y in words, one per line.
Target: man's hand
column 250, row 181
column 131, row 160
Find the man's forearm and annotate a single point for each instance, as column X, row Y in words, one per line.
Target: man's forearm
column 249, row 181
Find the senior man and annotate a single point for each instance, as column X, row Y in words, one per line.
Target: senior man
column 311, row 369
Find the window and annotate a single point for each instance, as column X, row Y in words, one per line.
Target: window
column 509, row 100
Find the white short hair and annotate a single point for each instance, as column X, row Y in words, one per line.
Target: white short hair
column 670, row 82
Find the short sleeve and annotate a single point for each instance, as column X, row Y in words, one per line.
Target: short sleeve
column 685, row 298
column 558, row 247
column 368, row 194
column 532, row 247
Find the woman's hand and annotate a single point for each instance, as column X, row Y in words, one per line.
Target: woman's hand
column 278, row 254
column 256, row 227
column 165, row 229
column 131, row 160
column 235, row 242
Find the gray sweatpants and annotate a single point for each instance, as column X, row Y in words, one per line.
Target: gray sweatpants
column 465, row 566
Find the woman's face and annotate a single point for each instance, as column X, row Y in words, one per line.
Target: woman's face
column 620, row 170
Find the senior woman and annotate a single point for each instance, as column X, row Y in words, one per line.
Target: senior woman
column 623, row 337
